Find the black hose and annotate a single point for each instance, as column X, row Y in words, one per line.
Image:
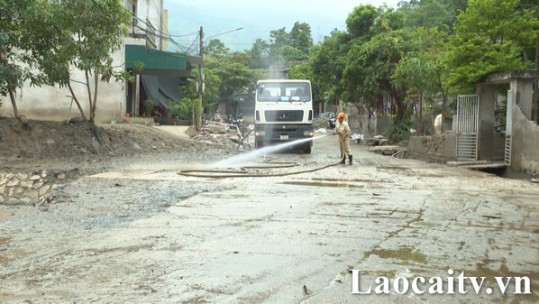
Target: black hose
column 242, row 172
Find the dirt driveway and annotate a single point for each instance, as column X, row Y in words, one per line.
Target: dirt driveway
column 142, row 233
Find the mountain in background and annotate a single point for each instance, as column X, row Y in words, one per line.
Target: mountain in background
column 184, row 22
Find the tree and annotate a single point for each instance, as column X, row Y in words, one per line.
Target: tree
column 421, row 69
column 429, row 14
column 301, row 71
column 216, row 48
column 26, row 31
column 40, row 39
column 375, row 50
column 328, row 61
column 258, row 54
column 11, row 72
column 92, row 31
column 361, row 21
column 490, row 36
column 224, row 76
column 293, row 46
column 301, row 38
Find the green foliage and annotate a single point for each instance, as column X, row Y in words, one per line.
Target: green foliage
column 258, row 54
column 361, row 20
column 138, row 66
column 384, row 52
column 328, row 61
column 24, row 29
column 86, row 35
column 301, row 39
column 490, row 36
column 400, row 129
column 430, row 14
column 41, row 39
column 367, row 75
column 182, row 110
column 301, row 71
column 282, row 46
column 216, row 48
column 421, row 69
column 225, row 77
column 149, row 105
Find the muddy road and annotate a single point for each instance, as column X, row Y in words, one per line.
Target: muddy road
column 142, row 233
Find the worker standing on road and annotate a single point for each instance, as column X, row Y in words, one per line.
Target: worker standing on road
column 343, row 131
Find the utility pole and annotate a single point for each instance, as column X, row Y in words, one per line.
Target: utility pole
column 198, row 105
column 197, row 122
column 535, row 96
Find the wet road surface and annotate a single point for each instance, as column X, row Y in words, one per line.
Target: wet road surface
column 146, row 234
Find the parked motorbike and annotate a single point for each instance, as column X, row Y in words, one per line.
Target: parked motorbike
column 235, row 122
column 238, row 125
column 331, row 122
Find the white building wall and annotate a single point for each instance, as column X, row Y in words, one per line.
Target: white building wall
column 150, row 11
column 155, row 13
column 54, row 103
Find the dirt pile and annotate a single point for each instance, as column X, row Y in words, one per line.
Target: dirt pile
column 54, row 140
column 52, row 145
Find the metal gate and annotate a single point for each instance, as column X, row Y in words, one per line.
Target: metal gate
column 509, row 127
column 467, row 127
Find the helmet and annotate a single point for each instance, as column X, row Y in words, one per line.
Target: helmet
column 340, row 115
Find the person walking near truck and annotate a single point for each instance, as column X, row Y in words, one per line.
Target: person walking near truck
column 343, row 133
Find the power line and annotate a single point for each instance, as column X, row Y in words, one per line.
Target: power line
column 160, row 34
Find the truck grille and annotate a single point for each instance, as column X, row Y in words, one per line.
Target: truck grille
column 283, row 115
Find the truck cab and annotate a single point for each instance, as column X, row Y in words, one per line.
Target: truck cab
column 284, row 112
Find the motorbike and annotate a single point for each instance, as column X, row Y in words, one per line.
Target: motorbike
column 235, row 122
column 238, row 125
column 331, row 122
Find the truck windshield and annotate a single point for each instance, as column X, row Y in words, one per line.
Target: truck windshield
column 286, row 92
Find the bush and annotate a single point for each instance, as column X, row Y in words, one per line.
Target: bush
column 149, row 105
column 400, row 129
column 182, row 110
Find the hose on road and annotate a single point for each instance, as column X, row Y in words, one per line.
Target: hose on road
column 244, row 171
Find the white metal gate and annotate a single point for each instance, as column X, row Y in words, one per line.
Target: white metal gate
column 467, row 127
column 509, row 127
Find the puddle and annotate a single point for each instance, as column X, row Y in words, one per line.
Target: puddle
column 393, row 168
column 322, row 184
column 14, row 254
column 354, row 180
column 4, row 240
column 483, row 270
column 380, row 273
column 4, row 215
column 405, row 254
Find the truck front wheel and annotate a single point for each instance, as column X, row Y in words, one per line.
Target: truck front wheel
column 307, row 148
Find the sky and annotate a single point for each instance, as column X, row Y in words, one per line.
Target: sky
column 258, row 18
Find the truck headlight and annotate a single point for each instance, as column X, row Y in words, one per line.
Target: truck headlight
column 260, row 133
column 308, row 133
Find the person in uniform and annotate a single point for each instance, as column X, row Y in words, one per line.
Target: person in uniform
column 343, row 133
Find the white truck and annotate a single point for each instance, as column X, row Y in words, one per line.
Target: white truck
column 284, row 112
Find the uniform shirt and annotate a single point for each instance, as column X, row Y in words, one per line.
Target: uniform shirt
column 342, row 129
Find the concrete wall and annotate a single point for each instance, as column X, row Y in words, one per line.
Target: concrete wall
column 439, row 149
column 376, row 126
column 525, row 146
column 524, row 96
column 487, row 103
